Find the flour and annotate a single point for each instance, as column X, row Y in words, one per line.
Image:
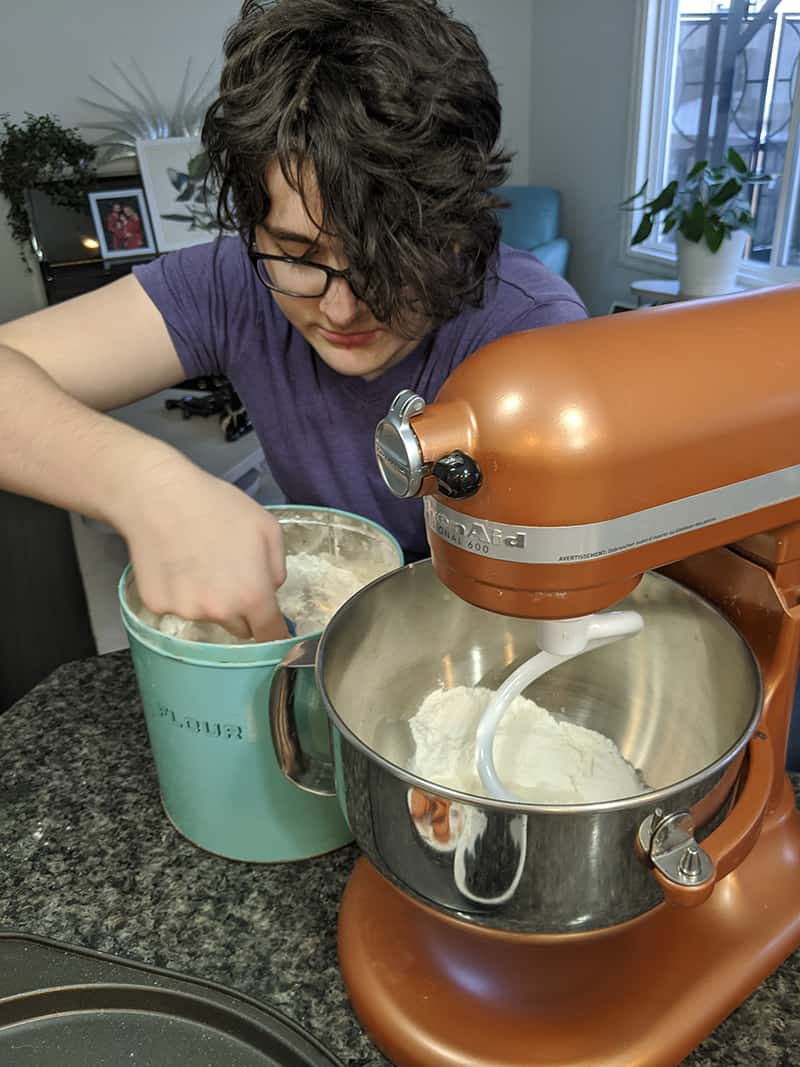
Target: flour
column 186, row 629
column 538, row 759
column 316, row 586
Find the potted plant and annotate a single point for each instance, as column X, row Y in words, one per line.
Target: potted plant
column 39, row 153
column 711, row 213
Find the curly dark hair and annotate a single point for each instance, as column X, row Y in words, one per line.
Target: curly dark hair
column 391, row 107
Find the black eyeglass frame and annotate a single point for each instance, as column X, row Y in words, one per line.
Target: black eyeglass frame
column 255, row 256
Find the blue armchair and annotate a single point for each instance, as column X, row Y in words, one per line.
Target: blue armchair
column 533, row 223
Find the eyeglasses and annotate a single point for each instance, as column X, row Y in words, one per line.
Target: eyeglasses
column 294, row 277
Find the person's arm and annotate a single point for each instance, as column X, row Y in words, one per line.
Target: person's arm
column 200, row 548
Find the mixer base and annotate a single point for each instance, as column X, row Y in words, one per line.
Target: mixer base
column 432, row 991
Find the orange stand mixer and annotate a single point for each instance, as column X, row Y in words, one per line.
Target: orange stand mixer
column 559, row 466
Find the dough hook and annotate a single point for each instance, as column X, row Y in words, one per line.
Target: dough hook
column 559, row 641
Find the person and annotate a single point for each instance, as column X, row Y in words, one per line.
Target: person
column 132, row 236
column 355, row 148
column 114, row 225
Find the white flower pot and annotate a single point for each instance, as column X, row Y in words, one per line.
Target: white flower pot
column 702, row 272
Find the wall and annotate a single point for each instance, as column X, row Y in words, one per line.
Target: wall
column 505, row 29
column 48, row 51
column 21, row 289
column 582, row 80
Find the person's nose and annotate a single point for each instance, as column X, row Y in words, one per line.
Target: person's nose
column 339, row 305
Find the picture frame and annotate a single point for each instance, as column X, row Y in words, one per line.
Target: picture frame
column 63, row 236
column 173, row 170
column 122, row 223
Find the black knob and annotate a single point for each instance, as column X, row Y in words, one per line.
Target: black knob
column 458, row 475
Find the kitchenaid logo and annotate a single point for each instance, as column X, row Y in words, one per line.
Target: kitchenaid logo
column 478, row 536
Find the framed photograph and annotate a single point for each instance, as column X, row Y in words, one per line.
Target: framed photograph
column 121, row 223
column 173, row 171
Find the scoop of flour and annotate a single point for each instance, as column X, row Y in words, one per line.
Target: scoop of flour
column 316, row 586
column 539, row 759
column 186, row 629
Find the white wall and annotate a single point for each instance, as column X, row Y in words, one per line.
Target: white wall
column 582, row 71
column 21, row 289
column 505, row 29
column 48, row 50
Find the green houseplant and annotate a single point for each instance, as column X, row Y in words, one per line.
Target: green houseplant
column 39, row 153
column 711, row 213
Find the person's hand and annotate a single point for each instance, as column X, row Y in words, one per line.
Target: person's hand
column 203, row 550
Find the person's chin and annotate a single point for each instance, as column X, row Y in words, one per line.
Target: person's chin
column 356, row 361
column 353, row 364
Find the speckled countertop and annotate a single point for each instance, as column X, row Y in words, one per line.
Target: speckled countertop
column 87, row 857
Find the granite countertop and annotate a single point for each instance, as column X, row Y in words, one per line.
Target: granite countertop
column 87, row 857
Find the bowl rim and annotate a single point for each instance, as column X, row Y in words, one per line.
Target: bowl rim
column 648, row 798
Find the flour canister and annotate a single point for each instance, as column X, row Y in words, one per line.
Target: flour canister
column 206, row 709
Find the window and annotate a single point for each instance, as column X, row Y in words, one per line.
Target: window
column 720, row 74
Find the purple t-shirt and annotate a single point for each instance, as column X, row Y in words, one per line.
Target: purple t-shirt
column 315, row 426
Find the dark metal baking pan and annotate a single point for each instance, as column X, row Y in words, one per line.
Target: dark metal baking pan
column 62, row 1006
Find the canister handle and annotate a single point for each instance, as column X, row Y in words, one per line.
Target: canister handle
column 732, row 841
column 306, row 771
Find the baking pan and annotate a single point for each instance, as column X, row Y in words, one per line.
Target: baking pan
column 62, row 1006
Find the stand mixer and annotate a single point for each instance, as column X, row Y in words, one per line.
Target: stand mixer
column 560, row 468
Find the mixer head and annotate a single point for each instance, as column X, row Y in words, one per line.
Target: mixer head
column 561, row 463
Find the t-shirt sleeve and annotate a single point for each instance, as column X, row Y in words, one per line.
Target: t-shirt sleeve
column 520, row 306
column 192, row 288
column 524, row 295
column 548, row 313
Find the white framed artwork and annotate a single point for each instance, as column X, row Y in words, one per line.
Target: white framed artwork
column 121, row 223
column 173, row 170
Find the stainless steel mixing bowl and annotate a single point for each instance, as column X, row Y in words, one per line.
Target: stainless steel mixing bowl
column 680, row 700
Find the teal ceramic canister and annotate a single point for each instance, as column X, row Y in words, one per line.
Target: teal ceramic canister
column 206, row 707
